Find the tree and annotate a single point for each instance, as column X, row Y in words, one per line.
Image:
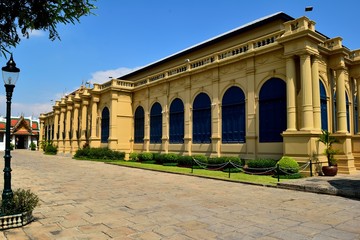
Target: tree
column 23, row 16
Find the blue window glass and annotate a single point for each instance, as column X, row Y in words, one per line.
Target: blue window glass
column 272, row 110
column 202, row 119
column 105, row 122
column 233, row 116
column 155, row 123
column 139, row 125
column 177, row 121
column 323, row 106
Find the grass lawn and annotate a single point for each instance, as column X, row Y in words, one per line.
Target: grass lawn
column 240, row 177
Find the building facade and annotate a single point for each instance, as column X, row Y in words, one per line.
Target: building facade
column 265, row 89
column 23, row 132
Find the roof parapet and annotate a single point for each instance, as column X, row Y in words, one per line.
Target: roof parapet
column 298, row 25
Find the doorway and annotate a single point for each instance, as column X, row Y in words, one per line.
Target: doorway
column 21, row 142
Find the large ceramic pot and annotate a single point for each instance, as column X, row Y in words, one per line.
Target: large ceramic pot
column 329, row 170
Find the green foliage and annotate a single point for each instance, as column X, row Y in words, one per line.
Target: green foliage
column 51, row 149
column 99, row 154
column 262, row 163
column 158, row 158
column 220, row 160
column 20, row 17
column 12, row 146
column 145, row 156
column 185, row 161
column 288, row 165
column 32, row 146
column 328, row 140
column 170, row 158
column 23, row 201
column 201, row 158
column 134, row 157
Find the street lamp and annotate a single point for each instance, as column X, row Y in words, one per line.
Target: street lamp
column 10, row 75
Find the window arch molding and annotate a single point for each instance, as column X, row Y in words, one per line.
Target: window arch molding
column 105, row 124
column 233, row 112
column 176, row 121
column 156, row 123
column 201, row 118
column 139, row 123
column 272, row 110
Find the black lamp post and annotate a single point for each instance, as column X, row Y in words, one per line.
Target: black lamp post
column 10, row 75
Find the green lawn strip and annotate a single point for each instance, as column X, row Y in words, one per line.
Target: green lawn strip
column 239, row 177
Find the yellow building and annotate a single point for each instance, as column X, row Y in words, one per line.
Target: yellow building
column 265, row 89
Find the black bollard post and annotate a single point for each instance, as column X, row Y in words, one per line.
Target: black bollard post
column 311, row 171
column 229, row 168
column 278, row 172
column 192, row 166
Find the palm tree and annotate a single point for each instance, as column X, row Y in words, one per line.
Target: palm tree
column 328, row 140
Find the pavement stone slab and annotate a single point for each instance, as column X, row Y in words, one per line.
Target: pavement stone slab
column 93, row 200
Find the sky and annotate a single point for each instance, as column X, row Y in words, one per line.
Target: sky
column 125, row 35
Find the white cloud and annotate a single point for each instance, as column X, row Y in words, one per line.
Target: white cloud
column 104, row 76
column 32, row 33
column 36, row 33
column 26, row 109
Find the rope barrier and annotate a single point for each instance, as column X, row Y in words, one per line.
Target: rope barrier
column 253, row 171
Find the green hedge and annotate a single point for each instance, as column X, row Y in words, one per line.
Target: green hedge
column 262, row 163
column 288, row 165
column 186, row 161
column 99, row 153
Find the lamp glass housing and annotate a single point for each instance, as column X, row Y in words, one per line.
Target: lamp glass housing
column 10, row 72
column 10, row 78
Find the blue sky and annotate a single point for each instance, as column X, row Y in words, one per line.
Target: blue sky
column 127, row 34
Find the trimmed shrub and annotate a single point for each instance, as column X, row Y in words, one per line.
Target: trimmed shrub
column 217, row 160
column 170, row 158
column 156, row 157
column 262, row 163
column 145, row 156
column 99, row 153
column 134, row 156
column 288, row 165
column 185, row 161
column 201, row 158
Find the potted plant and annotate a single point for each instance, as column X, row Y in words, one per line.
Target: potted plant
column 32, row 146
column 328, row 140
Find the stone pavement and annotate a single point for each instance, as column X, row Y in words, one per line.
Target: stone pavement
column 92, row 200
column 340, row 185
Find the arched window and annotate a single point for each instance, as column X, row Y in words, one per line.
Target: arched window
column 323, row 106
column 177, row 121
column 202, row 119
column 233, row 116
column 155, row 123
column 105, row 122
column 272, row 110
column 139, row 125
column 356, row 115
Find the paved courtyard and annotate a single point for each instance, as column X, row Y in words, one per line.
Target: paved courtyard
column 90, row 200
